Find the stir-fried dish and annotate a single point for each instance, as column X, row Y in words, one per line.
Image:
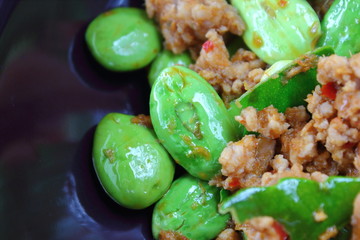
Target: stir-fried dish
column 257, row 101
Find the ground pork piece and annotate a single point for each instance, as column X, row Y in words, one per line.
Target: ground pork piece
column 262, row 228
column 279, row 163
column 227, row 76
column 285, row 141
column 253, row 78
column 184, row 23
column 329, row 233
column 323, row 163
column 142, row 119
column 171, row 235
column 343, row 74
column 348, row 106
column 244, row 162
column 272, row 178
column 341, row 141
column 303, row 148
column 322, row 111
column 228, row 234
column 296, row 116
column 320, row 215
column 334, row 69
column 269, row 122
column 355, row 219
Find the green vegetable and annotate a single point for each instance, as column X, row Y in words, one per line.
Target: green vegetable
column 133, row 168
column 123, row 39
column 190, row 120
column 166, row 59
column 190, row 209
column 341, row 27
column 279, row 29
column 279, row 90
column 294, row 202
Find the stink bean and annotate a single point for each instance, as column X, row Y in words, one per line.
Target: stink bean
column 166, row 59
column 341, row 27
column 123, row 39
column 133, row 168
column 190, row 209
column 190, row 120
column 279, row 30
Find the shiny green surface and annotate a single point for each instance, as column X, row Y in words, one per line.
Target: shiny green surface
column 123, row 39
column 133, row 168
column 190, row 208
column 293, row 203
column 278, row 90
column 279, row 30
column 341, row 27
column 166, row 59
column 190, row 120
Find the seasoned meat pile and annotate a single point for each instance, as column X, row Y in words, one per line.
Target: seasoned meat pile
column 185, row 23
column 292, row 144
column 230, row 77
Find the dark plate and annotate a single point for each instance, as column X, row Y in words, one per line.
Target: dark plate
column 52, row 95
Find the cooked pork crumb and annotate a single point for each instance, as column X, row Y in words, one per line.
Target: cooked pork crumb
column 303, row 148
column 269, row 122
column 325, row 145
column 245, row 161
column 142, row 119
column 341, row 140
column 272, row 178
column 329, row 233
column 229, row 77
column 320, row 216
column 334, row 69
column 296, row 116
column 171, row 235
column 184, row 23
column 264, row 228
column 228, row 234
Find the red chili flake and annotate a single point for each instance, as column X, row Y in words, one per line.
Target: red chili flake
column 280, row 231
column 208, row 46
column 329, row 90
column 234, row 182
column 283, row 3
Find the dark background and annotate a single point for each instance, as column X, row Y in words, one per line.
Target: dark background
column 52, row 95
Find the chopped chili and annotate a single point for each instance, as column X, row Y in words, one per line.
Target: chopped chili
column 329, row 90
column 208, row 46
column 283, row 3
column 280, row 231
column 234, row 183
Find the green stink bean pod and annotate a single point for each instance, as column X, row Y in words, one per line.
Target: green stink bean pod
column 123, row 39
column 133, row 168
column 189, row 209
column 341, row 27
column 279, row 29
column 166, row 59
column 190, row 120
